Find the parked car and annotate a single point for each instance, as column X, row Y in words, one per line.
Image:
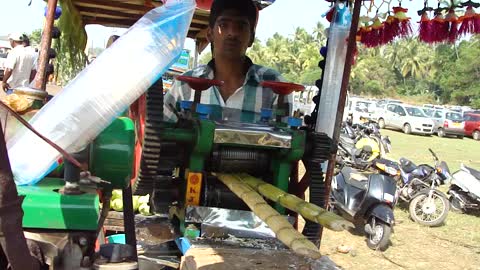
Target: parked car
column 472, row 125
column 428, row 111
column 408, row 118
column 448, row 123
column 360, row 110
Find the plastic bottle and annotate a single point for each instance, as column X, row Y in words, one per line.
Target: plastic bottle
column 102, row 91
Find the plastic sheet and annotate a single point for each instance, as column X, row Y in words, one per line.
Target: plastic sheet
column 334, row 67
column 103, row 90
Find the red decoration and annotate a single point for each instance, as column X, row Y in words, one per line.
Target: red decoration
column 425, row 29
column 404, row 27
column 390, row 29
column 440, row 28
column 452, row 22
column 470, row 22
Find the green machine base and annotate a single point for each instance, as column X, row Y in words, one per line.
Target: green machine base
column 44, row 207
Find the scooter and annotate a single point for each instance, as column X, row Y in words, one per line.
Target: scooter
column 465, row 190
column 367, row 201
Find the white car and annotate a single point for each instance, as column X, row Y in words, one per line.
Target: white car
column 359, row 110
column 408, row 118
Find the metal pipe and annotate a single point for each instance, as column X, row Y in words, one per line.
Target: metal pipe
column 343, row 94
column 129, row 220
column 11, row 215
column 40, row 77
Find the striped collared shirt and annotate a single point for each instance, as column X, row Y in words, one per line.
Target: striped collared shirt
column 250, row 98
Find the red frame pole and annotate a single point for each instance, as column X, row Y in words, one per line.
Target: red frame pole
column 343, row 96
column 41, row 76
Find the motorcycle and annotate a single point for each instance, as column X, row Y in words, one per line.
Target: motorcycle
column 359, row 145
column 418, row 185
column 366, row 201
column 465, row 190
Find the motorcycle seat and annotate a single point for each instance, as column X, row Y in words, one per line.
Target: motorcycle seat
column 357, row 180
column 472, row 171
column 407, row 166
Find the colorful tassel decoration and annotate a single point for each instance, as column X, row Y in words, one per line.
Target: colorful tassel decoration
column 405, row 29
column 377, row 33
column 452, row 20
column 425, row 29
column 440, row 28
column 470, row 22
column 390, row 30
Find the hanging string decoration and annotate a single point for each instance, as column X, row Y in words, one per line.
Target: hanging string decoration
column 451, row 20
column 470, row 21
column 403, row 22
column 425, row 25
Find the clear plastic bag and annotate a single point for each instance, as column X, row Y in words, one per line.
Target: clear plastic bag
column 103, row 90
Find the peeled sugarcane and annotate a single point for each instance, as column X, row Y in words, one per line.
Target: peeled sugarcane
column 307, row 210
column 277, row 223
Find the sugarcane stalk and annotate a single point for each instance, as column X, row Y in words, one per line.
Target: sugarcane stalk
column 277, row 223
column 308, row 210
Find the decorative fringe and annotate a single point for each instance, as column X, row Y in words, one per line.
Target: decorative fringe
column 470, row 22
column 390, row 29
column 440, row 28
column 404, row 26
column 452, row 21
column 425, row 29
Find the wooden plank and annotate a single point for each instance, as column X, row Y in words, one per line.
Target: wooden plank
column 108, row 21
column 207, row 258
column 109, row 4
column 101, row 12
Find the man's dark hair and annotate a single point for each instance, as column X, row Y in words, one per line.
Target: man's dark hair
column 243, row 7
column 26, row 40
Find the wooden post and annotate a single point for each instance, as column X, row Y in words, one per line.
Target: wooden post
column 40, row 77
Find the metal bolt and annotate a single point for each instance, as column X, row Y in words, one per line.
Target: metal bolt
column 82, row 241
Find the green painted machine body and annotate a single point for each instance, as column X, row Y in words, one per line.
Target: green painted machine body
column 45, row 208
column 111, row 159
column 111, row 153
column 199, row 136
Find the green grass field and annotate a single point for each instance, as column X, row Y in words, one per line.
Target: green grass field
column 452, row 150
column 455, row 245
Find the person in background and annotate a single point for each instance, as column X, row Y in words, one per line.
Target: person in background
column 30, row 49
column 19, row 64
column 231, row 32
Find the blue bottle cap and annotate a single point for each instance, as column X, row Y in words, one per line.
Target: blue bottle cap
column 266, row 113
column 186, row 104
column 294, row 121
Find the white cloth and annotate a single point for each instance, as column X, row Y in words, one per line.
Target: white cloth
column 21, row 60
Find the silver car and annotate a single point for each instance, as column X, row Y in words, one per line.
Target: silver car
column 408, row 118
column 449, row 123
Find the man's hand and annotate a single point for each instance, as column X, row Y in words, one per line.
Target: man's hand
column 5, row 86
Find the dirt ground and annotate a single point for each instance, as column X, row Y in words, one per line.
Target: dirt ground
column 455, row 245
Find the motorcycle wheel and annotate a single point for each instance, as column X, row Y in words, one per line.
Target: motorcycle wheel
column 456, row 205
column 430, row 212
column 379, row 240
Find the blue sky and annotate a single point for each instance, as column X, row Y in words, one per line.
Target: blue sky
column 282, row 17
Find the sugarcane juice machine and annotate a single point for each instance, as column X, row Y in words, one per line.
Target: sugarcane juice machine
column 209, row 139
column 62, row 214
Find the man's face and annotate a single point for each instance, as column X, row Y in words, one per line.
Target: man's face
column 231, row 35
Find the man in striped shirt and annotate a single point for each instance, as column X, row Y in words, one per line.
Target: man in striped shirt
column 231, row 31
